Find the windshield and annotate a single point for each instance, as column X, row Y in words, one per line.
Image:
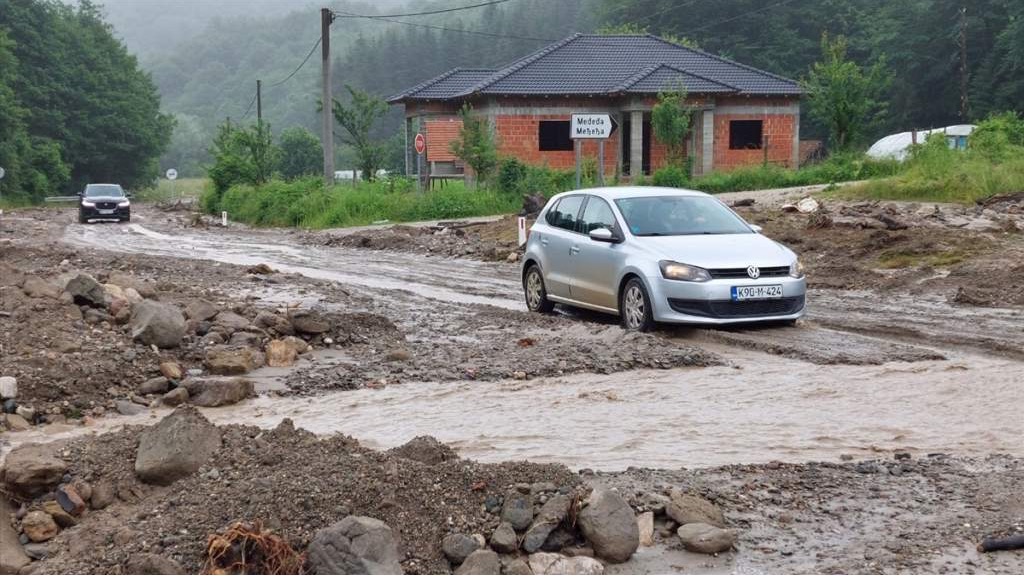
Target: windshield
column 678, row 216
column 107, row 190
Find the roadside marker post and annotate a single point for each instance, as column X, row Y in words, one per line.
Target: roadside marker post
column 590, row 127
column 224, row 219
column 522, row 230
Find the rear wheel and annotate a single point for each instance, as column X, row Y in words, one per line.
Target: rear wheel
column 635, row 307
column 536, row 294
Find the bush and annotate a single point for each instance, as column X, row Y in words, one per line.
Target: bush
column 671, row 177
column 301, row 153
column 307, row 203
column 511, row 175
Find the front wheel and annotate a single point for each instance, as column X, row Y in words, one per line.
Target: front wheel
column 635, row 307
column 81, row 218
column 536, row 293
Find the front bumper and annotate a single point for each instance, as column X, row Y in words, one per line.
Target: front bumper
column 711, row 302
column 97, row 213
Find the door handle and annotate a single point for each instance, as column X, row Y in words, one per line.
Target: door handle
column 574, row 250
column 543, row 241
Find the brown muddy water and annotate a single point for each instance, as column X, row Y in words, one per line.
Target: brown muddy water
column 859, row 377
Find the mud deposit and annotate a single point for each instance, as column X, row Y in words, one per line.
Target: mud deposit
column 880, row 434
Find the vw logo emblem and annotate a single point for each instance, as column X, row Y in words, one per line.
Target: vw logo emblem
column 753, row 271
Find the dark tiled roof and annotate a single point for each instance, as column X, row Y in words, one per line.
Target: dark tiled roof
column 445, row 86
column 590, row 64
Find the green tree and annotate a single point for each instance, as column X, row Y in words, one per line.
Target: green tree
column 242, row 155
column 670, row 121
column 357, row 119
column 301, row 153
column 475, row 144
column 842, row 94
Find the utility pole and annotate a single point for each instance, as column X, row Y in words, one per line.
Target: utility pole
column 259, row 103
column 326, row 17
column 963, row 63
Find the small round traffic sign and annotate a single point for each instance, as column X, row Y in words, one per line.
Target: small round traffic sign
column 172, row 174
column 420, row 143
column 2, row 173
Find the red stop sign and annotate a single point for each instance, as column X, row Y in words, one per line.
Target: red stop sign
column 420, row 143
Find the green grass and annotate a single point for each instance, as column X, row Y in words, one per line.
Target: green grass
column 306, row 203
column 840, row 168
column 166, row 190
column 964, row 180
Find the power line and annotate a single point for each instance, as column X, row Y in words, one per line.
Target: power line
column 296, row 71
column 427, row 13
column 737, row 17
column 249, row 109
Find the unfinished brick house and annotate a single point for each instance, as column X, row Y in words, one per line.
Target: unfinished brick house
column 742, row 116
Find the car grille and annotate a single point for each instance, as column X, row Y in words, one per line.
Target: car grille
column 106, row 205
column 744, row 309
column 768, row 272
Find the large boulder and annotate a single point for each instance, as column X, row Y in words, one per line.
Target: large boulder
column 86, row 291
column 481, row 562
column 175, row 447
column 705, row 538
column 12, row 555
column 32, row 470
column 550, row 563
column 690, row 509
column 517, row 511
column 549, row 517
column 231, row 322
column 504, row 539
column 39, row 526
column 200, row 310
column 280, row 354
column 210, row 393
column 36, row 287
column 609, row 524
column 355, row 545
column 458, row 547
column 157, row 324
column 8, row 387
column 145, row 563
column 157, row 385
column 309, row 322
column 233, row 360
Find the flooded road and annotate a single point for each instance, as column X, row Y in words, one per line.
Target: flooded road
column 858, row 377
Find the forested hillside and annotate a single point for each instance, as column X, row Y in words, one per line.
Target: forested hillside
column 917, row 42
column 74, row 104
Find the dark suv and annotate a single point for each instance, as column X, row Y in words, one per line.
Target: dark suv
column 104, row 202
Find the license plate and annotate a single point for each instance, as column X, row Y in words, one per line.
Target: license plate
column 766, row 292
column 106, row 211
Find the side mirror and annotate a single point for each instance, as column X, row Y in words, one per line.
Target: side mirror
column 603, row 235
column 757, row 229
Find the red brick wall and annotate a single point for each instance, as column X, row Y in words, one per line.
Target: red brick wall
column 518, row 136
column 777, row 130
column 439, row 135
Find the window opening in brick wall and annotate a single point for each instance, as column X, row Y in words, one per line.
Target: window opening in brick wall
column 553, row 135
column 745, row 134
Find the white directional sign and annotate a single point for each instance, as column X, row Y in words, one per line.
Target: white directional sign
column 172, row 174
column 590, row 126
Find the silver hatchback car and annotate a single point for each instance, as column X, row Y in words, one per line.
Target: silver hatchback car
column 658, row 255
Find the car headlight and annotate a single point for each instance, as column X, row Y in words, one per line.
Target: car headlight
column 123, row 204
column 796, row 269
column 88, row 204
column 676, row 271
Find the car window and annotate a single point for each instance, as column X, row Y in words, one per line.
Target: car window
column 551, row 216
column 597, row 214
column 566, row 211
column 98, row 190
column 679, row 216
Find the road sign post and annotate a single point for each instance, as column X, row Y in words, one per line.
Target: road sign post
column 420, row 144
column 590, row 127
column 172, row 175
column 2, row 174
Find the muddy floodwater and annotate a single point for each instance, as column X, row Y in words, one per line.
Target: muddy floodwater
column 859, row 377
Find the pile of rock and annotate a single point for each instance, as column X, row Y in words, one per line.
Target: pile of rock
column 698, row 523
column 547, row 530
